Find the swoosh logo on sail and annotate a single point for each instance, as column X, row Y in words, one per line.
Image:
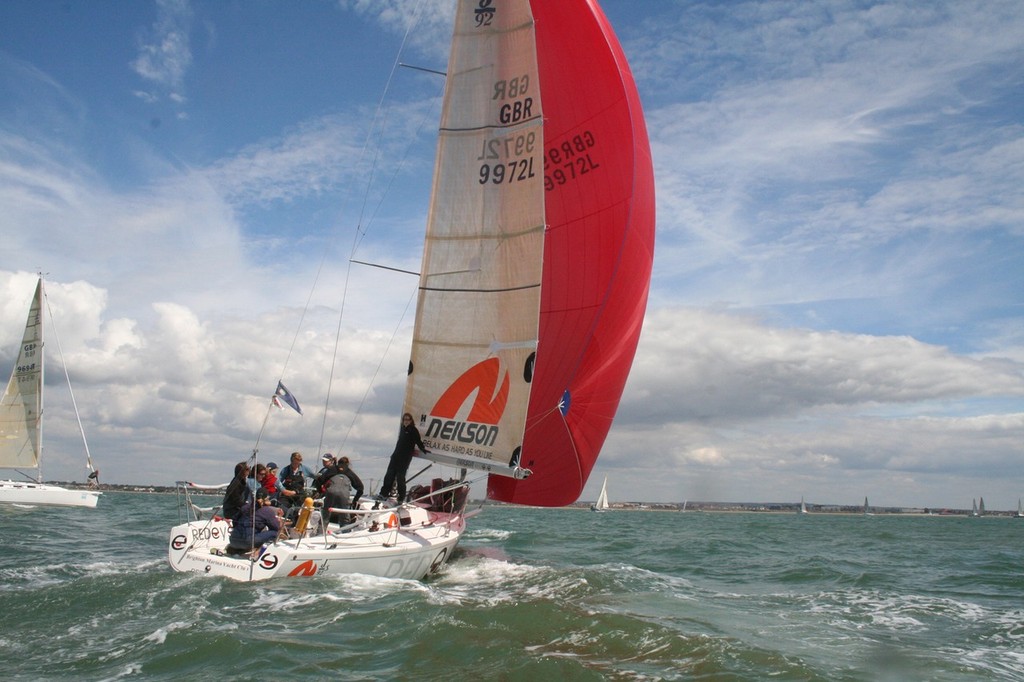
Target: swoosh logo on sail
column 489, row 405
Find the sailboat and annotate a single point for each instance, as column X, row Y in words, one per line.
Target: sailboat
column 21, row 424
column 533, row 286
column 974, row 507
column 867, row 509
column 602, row 499
column 803, row 507
column 1020, row 510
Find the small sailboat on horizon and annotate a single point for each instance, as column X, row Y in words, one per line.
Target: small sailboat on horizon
column 21, row 424
column 803, row 507
column 867, row 509
column 602, row 499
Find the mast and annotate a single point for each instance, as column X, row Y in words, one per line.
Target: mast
column 42, row 379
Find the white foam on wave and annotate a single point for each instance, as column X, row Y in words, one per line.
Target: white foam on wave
column 1002, row 663
column 489, row 534
column 898, row 612
column 130, row 670
column 486, row 567
column 160, row 635
column 14, row 579
column 102, row 568
column 486, row 581
column 632, row 576
column 360, row 586
column 351, row 588
column 46, row 575
column 996, row 648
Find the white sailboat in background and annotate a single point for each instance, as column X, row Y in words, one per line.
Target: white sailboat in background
column 867, row 509
column 602, row 499
column 542, row 156
column 1020, row 510
column 974, row 507
column 21, row 424
column 803, row 507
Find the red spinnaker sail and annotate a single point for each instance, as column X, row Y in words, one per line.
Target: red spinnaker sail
column 598, row 251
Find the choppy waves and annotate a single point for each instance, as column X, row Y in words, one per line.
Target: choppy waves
column 531, row 594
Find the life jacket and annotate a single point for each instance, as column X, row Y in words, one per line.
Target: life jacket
column 293, row 479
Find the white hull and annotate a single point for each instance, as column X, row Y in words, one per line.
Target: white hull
column 413, row 550
column 35, row 494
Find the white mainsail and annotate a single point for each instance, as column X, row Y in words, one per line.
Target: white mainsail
column 22, row 406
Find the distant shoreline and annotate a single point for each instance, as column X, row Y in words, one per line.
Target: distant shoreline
column 691, row 507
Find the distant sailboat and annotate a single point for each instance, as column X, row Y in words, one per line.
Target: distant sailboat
column 21, row 424
column 602, row 499
column 981, row 506
column 803, row 507
column 1020, row 510
column 867, row 509
column 974, row 507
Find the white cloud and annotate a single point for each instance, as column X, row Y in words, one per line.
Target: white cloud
column 726, row 368
column 735, row 407
column 165, row 54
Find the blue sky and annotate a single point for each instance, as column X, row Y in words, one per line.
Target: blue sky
column 836, row 309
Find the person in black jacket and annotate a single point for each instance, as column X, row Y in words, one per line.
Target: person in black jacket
column 408, row 440
column 340, row 486
column 258, row 522
column 237, row 493
column 356, row 483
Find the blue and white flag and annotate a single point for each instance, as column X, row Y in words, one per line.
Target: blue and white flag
column 284, row 395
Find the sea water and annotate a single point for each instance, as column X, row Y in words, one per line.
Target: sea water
column 531, row 594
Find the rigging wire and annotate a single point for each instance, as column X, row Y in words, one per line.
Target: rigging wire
column 378, row 124
column 67, row 377
column 366, row 217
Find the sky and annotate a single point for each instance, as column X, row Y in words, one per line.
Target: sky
column 836, row 305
